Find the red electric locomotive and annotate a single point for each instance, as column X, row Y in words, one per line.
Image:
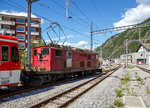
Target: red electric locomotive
column 53, row 62
column 9, row 61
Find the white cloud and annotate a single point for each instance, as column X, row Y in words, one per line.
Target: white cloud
column 80, row 44
column 69, row 36
column 135, row 15
column 55, row 39
column 12, row 12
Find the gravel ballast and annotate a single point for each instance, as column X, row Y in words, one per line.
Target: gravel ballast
column 26, row 100
column 101, row 96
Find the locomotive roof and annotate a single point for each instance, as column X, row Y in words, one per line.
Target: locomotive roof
column 67, row 48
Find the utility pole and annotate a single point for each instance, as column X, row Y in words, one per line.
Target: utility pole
column 91, row 35
column 29, row 35
column 100, row 56
column 67, row 11
column 126, row 52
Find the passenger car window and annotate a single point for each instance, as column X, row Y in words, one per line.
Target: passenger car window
column 5, row 53
column 35, row 52
column 14, row 54
column 45, row 51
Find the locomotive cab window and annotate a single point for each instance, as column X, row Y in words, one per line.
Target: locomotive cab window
column 14, row 54
column 5, row 53
column 45, row 51
column 58, row 53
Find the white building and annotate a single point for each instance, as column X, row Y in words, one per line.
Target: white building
column 144, row 48
column 141, row 56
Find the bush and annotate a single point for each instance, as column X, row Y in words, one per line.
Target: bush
column 119, row 93
column 118, row 103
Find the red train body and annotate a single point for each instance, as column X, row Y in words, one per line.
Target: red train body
column 52, row 63
column 56, row 58
column 9, row 61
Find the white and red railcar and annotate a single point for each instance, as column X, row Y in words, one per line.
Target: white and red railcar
column 9, row 61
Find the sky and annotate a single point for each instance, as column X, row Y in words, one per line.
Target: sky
column 103, row 13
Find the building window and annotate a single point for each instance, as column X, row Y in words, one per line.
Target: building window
column 6, row 27
column 19, row 28
column 21, row 46
column 21, row 20
column 5, row 53
column 33, row 21
column 20, row 37
column 33, row 29
column 6, row 18
column 14, row 54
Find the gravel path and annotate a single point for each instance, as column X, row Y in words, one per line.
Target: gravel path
column 138, row 88
column 25, row 100
column 104, row 93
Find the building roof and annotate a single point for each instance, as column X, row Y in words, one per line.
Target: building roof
column 16, row 16
column 145, row 45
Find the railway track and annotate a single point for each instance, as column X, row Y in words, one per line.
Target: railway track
column 28, row 89
column 63, row 99
column 144, row 69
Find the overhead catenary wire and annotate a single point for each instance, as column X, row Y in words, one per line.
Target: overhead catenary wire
column 70, row 12
column 82, row 12
column 24, row 9
column 97, row 11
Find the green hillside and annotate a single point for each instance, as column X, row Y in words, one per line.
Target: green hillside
column 115, row 46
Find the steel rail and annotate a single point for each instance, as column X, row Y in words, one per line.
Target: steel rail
column 144, row 69
column 28, row 89
column 43, row 103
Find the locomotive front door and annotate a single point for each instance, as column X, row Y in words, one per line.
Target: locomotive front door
column 69, row 59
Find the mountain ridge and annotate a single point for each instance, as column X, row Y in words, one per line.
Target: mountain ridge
column 115, row 45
